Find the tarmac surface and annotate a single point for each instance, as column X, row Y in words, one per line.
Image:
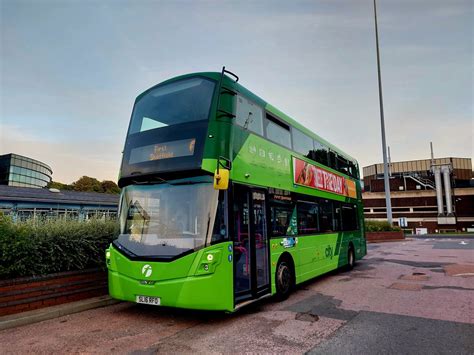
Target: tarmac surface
column 415, row 296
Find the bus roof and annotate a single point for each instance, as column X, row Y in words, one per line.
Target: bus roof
column 270, row 108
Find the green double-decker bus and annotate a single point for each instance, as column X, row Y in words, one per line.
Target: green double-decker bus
column 226, row 200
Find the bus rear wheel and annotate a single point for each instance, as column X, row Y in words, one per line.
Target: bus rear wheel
column 350, row 258
column 283, row 279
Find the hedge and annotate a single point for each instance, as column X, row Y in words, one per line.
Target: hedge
column 41, row 247
column 380, row 226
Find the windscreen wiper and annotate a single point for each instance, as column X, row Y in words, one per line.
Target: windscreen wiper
column 188, row 183
column 157, row 180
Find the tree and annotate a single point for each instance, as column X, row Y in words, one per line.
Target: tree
column 87, row 184
column 110, row 187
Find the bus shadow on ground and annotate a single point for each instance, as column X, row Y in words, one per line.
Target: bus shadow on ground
column 151, row 313
column 162, row 313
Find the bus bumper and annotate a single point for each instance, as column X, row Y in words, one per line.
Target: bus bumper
column 183, row 283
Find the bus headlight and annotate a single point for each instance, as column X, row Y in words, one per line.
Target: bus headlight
column 107, row 257
column 209, row 261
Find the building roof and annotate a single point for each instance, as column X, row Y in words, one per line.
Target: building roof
column 26, row 194
column 418, row 165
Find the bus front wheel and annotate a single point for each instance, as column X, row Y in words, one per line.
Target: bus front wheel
column 284, row 279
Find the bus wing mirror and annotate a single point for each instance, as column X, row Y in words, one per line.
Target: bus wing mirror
column 221, row 179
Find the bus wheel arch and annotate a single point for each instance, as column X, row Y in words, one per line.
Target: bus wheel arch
column 284, row 276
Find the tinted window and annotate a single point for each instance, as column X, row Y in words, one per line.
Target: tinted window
column 353, row 170
column 342, row 165
column 249, row 115
column 178, row 102
column 282, row 219
column 219, row 232
column 325, row 216
column 320, row 153
column 307, row 218
column 349, row 217
column 278, row 132
column 302, row 143
column 337, row 217
column 332, row 161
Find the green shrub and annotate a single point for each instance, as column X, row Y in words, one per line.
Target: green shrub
column 41, row 247
column 380, row 226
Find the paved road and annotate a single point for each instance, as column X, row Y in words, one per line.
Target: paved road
column 405, row 297
column 466, row 236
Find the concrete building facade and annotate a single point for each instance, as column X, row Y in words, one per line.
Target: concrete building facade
column 432, row 194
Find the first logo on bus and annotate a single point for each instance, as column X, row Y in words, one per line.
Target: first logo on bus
column 146, row 270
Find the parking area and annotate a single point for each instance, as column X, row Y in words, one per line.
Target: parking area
column 404, row 297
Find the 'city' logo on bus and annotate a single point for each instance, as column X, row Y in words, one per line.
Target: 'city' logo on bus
column 146, row 270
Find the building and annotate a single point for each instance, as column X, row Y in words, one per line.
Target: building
column 432, row 195
column 23, row 193
column 24, row 203
column 20, row 171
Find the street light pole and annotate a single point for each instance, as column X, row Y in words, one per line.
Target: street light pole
column 388, row 203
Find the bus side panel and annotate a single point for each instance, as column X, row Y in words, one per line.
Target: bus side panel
column 318, row 255
column 315, row 255
column 207, row 283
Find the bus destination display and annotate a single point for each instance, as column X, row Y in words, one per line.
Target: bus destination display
column 160, row 151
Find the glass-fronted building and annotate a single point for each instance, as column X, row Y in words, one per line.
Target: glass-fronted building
column 21, row 171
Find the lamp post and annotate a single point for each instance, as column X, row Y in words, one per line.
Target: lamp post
column 388, row 203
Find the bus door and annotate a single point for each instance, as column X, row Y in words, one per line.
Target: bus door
column 251, row 253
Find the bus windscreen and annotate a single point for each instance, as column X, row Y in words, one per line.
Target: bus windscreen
column 164, row 220
column 174, row 103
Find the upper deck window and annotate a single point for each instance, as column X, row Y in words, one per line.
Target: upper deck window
column 320, row 153
column 249, row 115
column 174, row 103
column 302, row 143
column 278, row 132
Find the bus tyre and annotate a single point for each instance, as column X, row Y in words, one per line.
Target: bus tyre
column 350, row 258
column 284, row 280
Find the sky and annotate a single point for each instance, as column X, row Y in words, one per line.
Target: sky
column 70, row 71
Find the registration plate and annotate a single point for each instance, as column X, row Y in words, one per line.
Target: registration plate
column 156, row 301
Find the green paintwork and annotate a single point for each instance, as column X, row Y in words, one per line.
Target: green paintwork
column 184, row 282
